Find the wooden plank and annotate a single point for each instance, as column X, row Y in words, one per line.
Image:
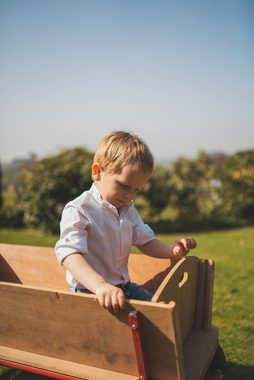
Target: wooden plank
column 180, row 286
column 203, row 318
column 198, row 352
column 202, row 278
column 207, row 321
column 73, row 327
column 37, row 266
column 59, row 366
column 31, row 265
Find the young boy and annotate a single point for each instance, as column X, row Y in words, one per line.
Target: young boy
column 99, row 227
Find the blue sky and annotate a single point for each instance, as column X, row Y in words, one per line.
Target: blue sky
column 178, row 73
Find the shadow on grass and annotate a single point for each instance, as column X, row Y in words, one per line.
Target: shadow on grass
column 239, row 372
column 13, row 374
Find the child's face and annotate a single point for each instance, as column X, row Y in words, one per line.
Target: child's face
column 121, row 188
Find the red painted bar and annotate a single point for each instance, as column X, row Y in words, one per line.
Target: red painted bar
column 134, row 323
column 37, row 371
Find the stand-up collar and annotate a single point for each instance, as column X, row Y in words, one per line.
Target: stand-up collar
column 96, row 194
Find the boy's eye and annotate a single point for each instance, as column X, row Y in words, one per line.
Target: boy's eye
column 125, row 187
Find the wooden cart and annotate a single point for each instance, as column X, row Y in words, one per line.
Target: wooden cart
column 46, row 329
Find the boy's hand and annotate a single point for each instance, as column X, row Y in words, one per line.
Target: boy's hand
column 183, row 246
column 110, row 296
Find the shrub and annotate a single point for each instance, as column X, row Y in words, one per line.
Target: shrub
column 47, row 185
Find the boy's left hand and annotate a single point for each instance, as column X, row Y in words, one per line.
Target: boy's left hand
column 184, row 245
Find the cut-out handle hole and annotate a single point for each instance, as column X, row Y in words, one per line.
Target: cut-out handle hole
column 183, row 279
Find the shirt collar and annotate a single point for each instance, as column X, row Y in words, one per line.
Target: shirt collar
column 96, row 194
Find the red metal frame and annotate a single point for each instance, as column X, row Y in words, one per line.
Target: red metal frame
column 134, row 321
column 37, row 371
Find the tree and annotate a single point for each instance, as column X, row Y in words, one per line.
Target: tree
column 157, row 191
column 237, row 177
column 195, row 189
column 47, row 185
column 1, row 188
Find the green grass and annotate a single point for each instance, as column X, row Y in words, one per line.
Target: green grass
column 27, row 237
column 233, row 305
column 233, row 302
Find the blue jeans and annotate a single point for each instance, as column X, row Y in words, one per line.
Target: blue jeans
column 136, row 292
column 131, row 291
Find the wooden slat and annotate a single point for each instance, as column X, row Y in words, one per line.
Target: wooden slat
column 202, row 278
column 203, row 318
column 59, row 366
column 73, row 327
column 37, row 266
column 207, row 322
column 31, row 265
column 180, row 286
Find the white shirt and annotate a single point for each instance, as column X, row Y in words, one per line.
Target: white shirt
column 95, row 228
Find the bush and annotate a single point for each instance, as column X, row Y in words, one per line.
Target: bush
column 47, row 185
column 11, row 215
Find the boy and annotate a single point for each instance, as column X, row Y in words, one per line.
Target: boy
column 99, row 227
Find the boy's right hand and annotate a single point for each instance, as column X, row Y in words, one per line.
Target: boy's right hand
column 183, row 246
column 110, row 296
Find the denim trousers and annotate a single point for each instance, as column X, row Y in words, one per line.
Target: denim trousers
column 131, row 291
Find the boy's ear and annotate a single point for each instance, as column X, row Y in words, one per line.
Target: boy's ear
column 96, row 171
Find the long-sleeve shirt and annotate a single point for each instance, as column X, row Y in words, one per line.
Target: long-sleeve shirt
column 103, row 234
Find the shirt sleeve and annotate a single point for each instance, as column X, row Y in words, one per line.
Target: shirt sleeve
column 142, row 232
column 73, row 233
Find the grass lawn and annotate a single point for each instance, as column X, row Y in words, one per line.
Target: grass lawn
column 233, row 306
column 27, row 237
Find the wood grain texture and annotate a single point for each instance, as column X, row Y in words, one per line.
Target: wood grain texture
column 31, row 265
column 80, row 371
column 203, row 319
column 198, row 352
column 38, row 266
column 44, row 325
column 73, row 327
column 180, row 286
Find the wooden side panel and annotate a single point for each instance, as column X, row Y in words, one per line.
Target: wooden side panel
column 31, row 265
column 199, row 350
column 38, row 266
column 180, row 286
column 73, row 327
column 203, row 319
column 149, row 271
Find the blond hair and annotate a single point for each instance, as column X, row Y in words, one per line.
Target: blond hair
column 119, row 149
